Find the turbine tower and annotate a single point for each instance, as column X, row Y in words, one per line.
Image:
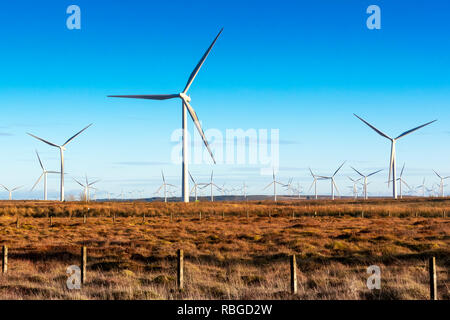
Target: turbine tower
column 44, row 174
column 185, row 99
column 62, row 148
column 333, row 183
column 392, row 162
column 211, row 184
column 274, row 182
column 11, row 190
column 441, row 184
column 365, row 180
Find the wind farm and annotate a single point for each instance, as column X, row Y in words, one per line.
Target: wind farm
column 282, row 193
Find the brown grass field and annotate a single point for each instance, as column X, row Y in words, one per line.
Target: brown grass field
column 227, row 254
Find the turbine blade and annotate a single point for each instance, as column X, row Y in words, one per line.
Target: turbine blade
column 40, row 177
column 45, row 141
column 338, row 169
column 79, row 183
column 312, row 184
column 337, row 190
column 149, row 96
column 412, row 130
column 162, row 173
column 378, row 131
column 16, row 188
column 268, row 185
column 199, row 128
column 40, row 162
column 375, row 172
column 190, row 175
column 311, row 172
column 92, row 183
column 5, row 188
column 357, row 172
column 200, row 63
column 403, row 168
column 437, row 174
column 73, row 137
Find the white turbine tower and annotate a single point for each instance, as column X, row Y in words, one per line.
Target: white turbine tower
column 164, row 185
column 61, row 148
column 211, row 184
column 44, row 174
column 11, row 190
column 185, row 99
column 392, row 162
column 441, row 184
column 274, row 182
column 365, row 180
column 333, row 183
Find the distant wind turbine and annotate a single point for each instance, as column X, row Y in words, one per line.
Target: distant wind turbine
column 354, row 188
column 44, row 174
column 195, row 187
column 392, row 163
column 11, row 190
column 364, row 177
column 274, row 182
column 333, row 183
column 87, row 187
column 62, row 148
column 314, row 183
column 185, row 106
column 422, row 186
column 211, row 184
column 164, row 186
column 441, row 184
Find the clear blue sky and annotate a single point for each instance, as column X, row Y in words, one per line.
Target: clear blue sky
column 303, row 67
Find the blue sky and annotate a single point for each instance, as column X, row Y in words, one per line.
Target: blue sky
column 303, row 67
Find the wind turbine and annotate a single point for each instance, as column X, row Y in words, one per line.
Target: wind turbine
column 62, row 148
column 185, row 99
column 211, row 184
column 422, row 186
column 365, row 180
column 354, row 188
column 196, row 185
column 274, row 182
column 44, row 174
column 333, row 183
column 392, row 163
column 441, row 184
column 11, row 190
column 244, row 190
column 400, row 181
column 314, row 183
column 164, row 185
column 87, row 187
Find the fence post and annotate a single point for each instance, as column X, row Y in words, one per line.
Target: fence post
column 114, row 217
column 17, row 223
column 83, row 264
column 293, row 275
column 433, row 282
column 5, row 259
column 51, row 221
column 84, row 219
column 143, row 218
column 200, row 215
column 180, row 266
column 223, row 215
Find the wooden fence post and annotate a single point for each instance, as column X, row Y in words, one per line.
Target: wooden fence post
column 223, row 215
column 200, row 215
column 433, row 281
column 293, row 275
column 51, row 221
column 83, row 264
column 180, row 266
column 17, row 223
column 143, row 218
column 84, row 219
column 5, row 259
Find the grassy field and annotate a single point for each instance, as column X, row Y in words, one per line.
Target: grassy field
column 233, row 250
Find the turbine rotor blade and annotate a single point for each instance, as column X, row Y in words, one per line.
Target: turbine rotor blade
column 40, row 162
column 401, row 172
column 40, row 177
column 375, row 129
column 74, row 136
column 268, row 185
column 79, row 183
column 200, row 63
column 45, row 141
column 148, row 96
column 412, row 130
column 339, row 168
column 357, row 172
column 190, row 175
column 375, row 172
column 199, row 128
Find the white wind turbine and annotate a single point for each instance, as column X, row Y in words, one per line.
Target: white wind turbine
column 314, row 183
column 87, row 188
column 61, row 148
column 333, row 183
column 44, row 174
column 365, row 180
column 441, row 184
column 422, row 186
column 195, row 187
column 392, row 163
column 164, row 185
column 400, row 181
column 354, row 188
column 274, row 182
column 211, row 184
column 185, row 99
column 11, row 190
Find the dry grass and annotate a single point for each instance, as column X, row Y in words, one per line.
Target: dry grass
column 226, row 258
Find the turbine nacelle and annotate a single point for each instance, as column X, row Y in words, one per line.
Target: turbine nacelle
column 185, row 97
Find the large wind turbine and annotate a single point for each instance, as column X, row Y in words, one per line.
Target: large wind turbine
column 392, row 163
column 365, row 180
column 44, row 174
column 274, row 182
column 441, row 184
column 164, row 185
column 185, row 99
column 62, row 148
column 333, row 183
column 11, row 190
